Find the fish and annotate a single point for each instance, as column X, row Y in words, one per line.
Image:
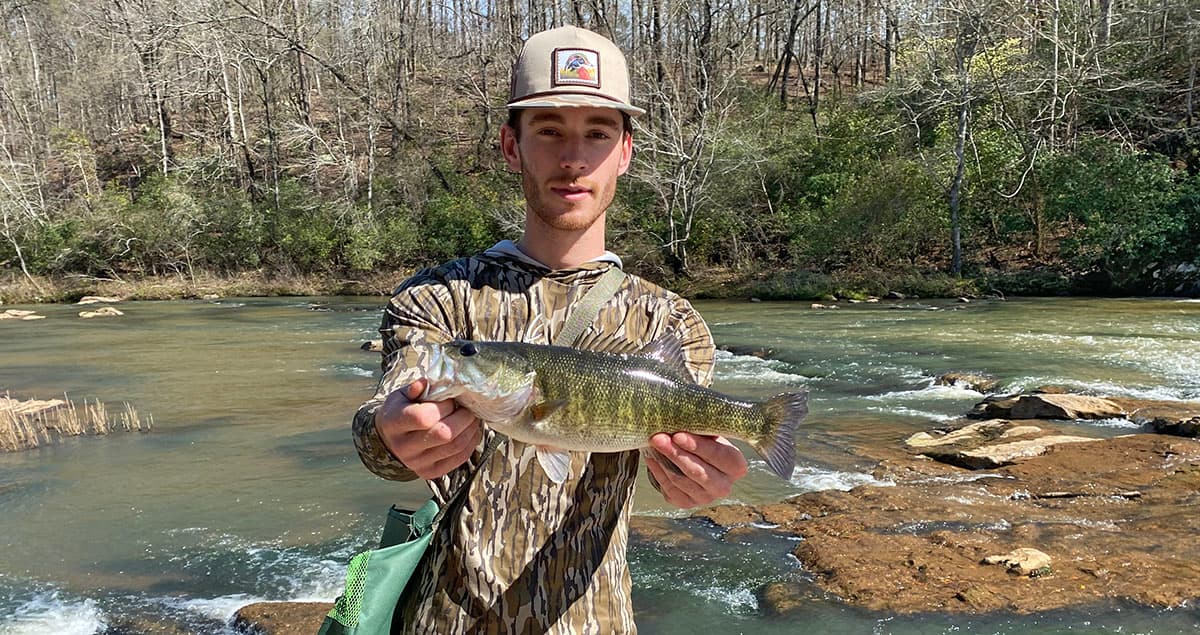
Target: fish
column 563, row 399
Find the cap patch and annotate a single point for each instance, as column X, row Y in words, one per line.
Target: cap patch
column 576, row 67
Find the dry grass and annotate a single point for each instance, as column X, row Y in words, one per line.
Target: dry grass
column 16, row 289
column 25, row 425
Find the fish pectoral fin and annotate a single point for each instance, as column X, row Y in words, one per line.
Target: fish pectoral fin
column 542, row 410
column 556, row 462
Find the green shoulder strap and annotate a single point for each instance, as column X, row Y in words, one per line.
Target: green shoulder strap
column 586, row 310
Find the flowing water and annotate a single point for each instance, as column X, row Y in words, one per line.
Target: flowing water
column 248, row 488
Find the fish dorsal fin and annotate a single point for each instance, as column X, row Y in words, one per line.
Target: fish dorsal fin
column 556, row 462
column 667, row 350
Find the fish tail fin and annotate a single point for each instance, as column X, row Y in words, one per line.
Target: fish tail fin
column 778, row 446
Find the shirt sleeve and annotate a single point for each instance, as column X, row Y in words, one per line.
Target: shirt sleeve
column 696, row 340
column 422, row 311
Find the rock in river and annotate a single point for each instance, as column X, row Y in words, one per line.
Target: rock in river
column 281, row 618
column 1118, row 517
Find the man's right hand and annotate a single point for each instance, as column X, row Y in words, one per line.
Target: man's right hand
column 431, row 438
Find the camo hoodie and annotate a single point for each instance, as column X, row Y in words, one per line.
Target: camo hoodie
column 522, row 555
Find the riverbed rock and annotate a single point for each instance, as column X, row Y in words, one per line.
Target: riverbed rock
column 20, row 314
column 968, row 436
column 999, row 454
column 106, row 311
column 372, row 346
column 1118, row 517
column 779, row 599
column 1055, row 402
column 987, row 444
column 760, row 352
column 281, row 618
column 145, row 625
column 1051, row 406
column 98, row 299
column 1022, row 561
column 1047, row 406
column 665, row 532
column 979, row 382
column 994, row 407
column 1178, row 427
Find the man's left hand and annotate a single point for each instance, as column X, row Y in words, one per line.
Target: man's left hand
column 702, row 469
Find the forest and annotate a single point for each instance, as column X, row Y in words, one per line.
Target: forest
column 792, row 148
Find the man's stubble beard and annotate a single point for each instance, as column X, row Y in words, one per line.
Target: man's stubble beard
column 565, row 221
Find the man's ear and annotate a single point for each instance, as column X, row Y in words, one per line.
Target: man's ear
column 508, row 147
column 626, row 152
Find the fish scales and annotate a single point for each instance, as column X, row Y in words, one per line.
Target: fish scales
column 563, row 399
column 616, row 402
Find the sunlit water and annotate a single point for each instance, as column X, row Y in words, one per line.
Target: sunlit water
column 249, row 489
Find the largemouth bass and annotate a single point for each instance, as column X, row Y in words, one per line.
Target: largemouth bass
column 564, row 399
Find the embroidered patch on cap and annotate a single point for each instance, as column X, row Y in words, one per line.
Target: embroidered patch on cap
column 576, row 67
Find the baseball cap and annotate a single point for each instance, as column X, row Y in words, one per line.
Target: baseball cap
column 570, row 66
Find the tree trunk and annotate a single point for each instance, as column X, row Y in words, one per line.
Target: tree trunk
column 818, row 59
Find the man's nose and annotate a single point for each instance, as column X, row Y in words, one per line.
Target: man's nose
column 573, row 157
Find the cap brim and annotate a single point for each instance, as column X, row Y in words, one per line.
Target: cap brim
column 573, row 100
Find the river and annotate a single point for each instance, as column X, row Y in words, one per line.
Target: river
column 248, row 487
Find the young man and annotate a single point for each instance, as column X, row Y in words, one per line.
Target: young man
column 525, row 554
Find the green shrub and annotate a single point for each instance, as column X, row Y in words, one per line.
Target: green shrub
column 1125, row 205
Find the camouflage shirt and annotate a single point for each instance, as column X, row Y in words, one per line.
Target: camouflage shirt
column 522, row 554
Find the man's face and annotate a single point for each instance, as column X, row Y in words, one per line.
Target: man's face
column 569, row 160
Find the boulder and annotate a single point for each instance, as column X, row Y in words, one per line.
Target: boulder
column 665, row 532
column 20, row 314
column 978, row 382
column 98, row 299
column 994, row 407
column 1022, row 561
column 780, row 599
column 1178, row 427
column 107, row 311
column 986, row 457
column 281, row 618
column 730, row 515
column 760, row 352
column 970, row 435
column 144, row 625
column 987, row 444
column 1053, row 406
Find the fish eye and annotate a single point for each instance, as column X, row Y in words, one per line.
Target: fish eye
column 468, row 350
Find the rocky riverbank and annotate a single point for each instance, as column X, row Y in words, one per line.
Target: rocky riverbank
column 1109, row 519
column 1023, row 514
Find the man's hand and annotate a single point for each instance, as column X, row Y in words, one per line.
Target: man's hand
column 702, row 469
column 431, row 438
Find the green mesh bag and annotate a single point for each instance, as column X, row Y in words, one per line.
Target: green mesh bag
column 376, row 579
